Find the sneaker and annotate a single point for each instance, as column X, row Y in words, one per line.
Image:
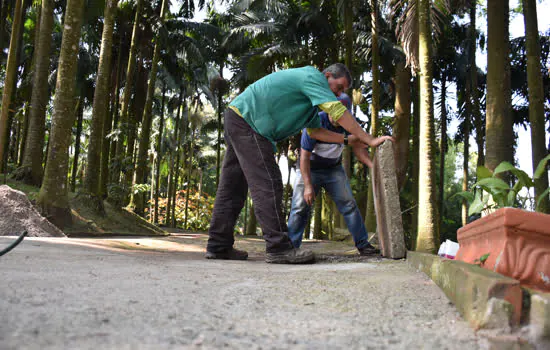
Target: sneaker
column 229, row 254
column 369, row 250
column 291, row 256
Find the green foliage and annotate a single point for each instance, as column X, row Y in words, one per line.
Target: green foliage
column 199, row 210
column 141, row 188
column 502, row 193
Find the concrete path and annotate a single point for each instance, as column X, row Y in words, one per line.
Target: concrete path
column 61, row 293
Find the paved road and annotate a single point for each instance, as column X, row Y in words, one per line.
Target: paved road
column 162, row 293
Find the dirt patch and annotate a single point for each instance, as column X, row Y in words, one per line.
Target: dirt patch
column 18, row 215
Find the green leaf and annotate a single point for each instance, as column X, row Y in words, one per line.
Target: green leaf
column 541, row 167
column 504, row 166
column 484, row 257
column 468, row 196
column 510, row 200
column 477, row 205
column 483, row 172
column 523, row 178
column 492, row 185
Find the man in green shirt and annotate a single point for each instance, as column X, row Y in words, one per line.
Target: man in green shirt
column 273, row 108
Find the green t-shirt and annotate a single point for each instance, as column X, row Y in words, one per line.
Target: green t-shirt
column 283, row 103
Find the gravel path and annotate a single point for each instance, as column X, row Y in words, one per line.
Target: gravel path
column 88, row 294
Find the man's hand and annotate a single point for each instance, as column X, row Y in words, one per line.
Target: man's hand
column 309, row 194
column 375, row 142
column 379, row 140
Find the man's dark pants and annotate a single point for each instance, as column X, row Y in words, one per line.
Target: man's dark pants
column 249, row 162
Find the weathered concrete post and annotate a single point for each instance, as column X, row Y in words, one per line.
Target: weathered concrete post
column 386, row 202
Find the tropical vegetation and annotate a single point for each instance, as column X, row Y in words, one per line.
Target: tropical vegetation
column 122, row 100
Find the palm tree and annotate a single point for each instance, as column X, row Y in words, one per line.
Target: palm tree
column 10, row 81
column 499, row 129
column 536, row 96
column 34, row 154
column 125, row 105
column 53, row 197
column 370, row 219
column 100, row 110
column 428, row 232
column 141, row 177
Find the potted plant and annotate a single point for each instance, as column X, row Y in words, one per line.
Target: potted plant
column 512, row 241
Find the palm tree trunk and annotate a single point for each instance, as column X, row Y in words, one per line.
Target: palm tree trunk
column 115, row 141
column 159, row 157
column 473, row 85
column 53, row 197
column 125, row 106
column 499, row 129
column 173, row 155
column 189, row 169
column 402, row 132
column 100, row 109
column 23, row 139
column 442, row 146
column 180, row 129
column 141, row 175
column 318, row 216
column 370, row 219
column 428, row 232
column 3, row 16
column 415, row 156
column 79, row 121
column 536, row 97
column 252, row 223
column 10, row 81
column 466, row 156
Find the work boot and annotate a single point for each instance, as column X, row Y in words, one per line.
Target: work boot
column 291, row 256
column 228, row 254
column 369, row 250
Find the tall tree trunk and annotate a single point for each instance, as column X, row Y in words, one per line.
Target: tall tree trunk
column 442, row 146
column 370, row 219
column 100, row 109
column 159, row 157
column 114, row 175
column 125, row 106
column 181, row 126
column 536, row 98
column 466, row 156
column 318, row 217
column 3, row 17
column 173, row 155
column 189, row 169
column 348, row 34
column 499, row 128
column 53, row 198
column 10, row 81
column 474, row 94
column 428, row 231
column 17, row 101
column 141, row 169
column 129, row 160
column 252, row 223
column 220, row 126
column 79, row 122
column 23, row 140
column 415, row 156
column 402, row 128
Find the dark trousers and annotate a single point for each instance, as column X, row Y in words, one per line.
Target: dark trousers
column 249, row 162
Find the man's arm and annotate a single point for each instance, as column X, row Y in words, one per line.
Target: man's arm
column 305, row 169
column 363, row 155
column 348, row 122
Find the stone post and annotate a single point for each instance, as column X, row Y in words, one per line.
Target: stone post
column 386, row 202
